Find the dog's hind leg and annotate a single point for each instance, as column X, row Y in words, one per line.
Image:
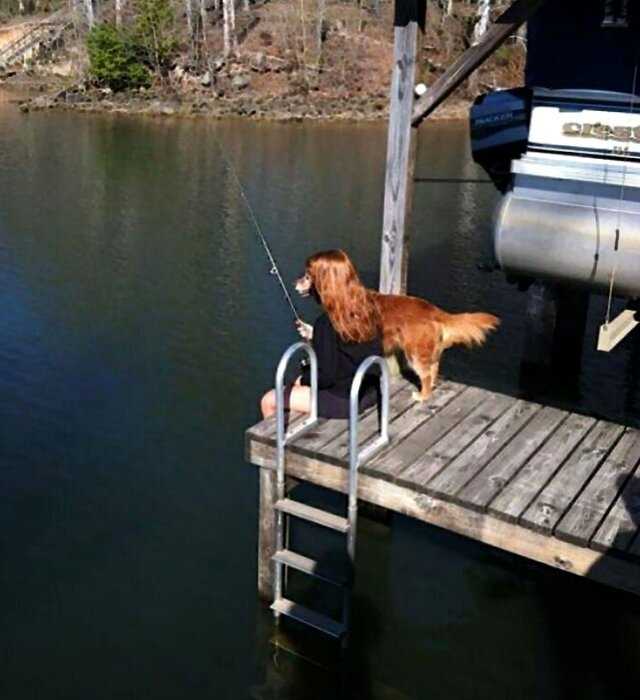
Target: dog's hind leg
column 427, row 370
column 428, row 374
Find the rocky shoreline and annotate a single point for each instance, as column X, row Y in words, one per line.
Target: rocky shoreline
column 289, row 108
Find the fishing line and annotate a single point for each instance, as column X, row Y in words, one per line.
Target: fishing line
column 263, row 240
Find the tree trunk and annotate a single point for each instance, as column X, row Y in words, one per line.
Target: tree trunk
column 203, row 21
column 88, row 5
column 189, row 13
column 118, row 13
column 303, row 25
column 234, row 40
column 482, row 22
column 229, row 27
column 321, row 11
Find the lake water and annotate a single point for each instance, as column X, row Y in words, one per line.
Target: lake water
column 138, row 328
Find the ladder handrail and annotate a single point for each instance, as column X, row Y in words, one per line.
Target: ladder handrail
column 356, row 457
column 282, row 437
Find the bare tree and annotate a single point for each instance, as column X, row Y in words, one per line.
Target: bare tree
column 203, row 22
column 319, row 29
column 118, row 13
column 88, row 6
column 189, row 13
column 229, row 27
column 482, row 21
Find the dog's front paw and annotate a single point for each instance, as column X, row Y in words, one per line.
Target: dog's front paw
column 417, row 396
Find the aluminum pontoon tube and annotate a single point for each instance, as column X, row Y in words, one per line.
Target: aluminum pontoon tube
column 561, row 220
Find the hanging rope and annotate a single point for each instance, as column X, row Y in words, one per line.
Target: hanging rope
column 616, row 245
column 262, row 238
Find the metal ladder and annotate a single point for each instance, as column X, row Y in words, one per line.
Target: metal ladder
column 286, row 507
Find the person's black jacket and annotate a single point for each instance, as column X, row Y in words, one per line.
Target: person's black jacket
column 338, row 360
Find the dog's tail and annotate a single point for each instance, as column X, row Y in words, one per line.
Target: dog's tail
column 467, row 329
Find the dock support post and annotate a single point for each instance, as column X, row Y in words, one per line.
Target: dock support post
column 267, row 533
column 401, row 148
column 556, row 320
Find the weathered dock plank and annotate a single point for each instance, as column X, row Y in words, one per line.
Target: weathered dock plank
column 516, row 496
column 585, row 515
column 368, row 426
column 487, row 445
column 619, row 528
column 549, row 507
column 484, row 487
column 316, row 439
column 556, row 487
column 430, row 425
column 512, row 537
column 422, row 470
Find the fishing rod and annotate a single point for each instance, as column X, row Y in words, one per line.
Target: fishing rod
column 275, row 271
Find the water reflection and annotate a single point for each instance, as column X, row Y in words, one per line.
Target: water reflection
column 139, row 327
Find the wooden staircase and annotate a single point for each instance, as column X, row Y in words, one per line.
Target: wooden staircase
column 41, row 36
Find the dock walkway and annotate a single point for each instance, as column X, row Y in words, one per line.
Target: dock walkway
column 557, row 487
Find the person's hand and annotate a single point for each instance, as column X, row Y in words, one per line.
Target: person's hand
column 305, row 330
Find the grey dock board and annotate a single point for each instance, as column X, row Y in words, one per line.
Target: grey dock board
column 619, row 528
column 407, row 430
column 328, row 430
column 457, row 474
column 556, row 487
column 368, row 426
column 495, row 476
column 518, row 494
column 445, row 450
column 550, row 505
column 265, row 431
column 388, row 465
column 585, row 515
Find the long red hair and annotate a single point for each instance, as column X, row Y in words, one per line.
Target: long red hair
column 349, row 305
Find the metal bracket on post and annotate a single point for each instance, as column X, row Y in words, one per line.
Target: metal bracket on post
column 617, row 330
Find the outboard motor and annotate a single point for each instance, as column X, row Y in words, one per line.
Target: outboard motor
column 568, row 163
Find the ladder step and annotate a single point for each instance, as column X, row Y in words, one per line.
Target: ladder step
column 309, row 617
column 311, row 567
column 314, row 515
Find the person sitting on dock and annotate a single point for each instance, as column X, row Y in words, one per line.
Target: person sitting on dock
column 342, row 337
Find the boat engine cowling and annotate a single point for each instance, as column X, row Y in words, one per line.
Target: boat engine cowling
column 569, row 167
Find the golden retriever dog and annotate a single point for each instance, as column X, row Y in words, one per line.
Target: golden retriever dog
column 419, row 329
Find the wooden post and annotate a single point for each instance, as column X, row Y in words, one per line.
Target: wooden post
column 556, row 319
column 267, row 533
column 401, row 148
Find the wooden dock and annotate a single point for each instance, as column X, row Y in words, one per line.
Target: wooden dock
column 560, row 488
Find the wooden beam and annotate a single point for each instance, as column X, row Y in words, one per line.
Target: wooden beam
column 267, row 534
column 609, row 570
column 401, row 148
column 507, row 24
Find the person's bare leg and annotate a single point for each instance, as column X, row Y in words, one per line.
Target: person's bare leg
column 297, row 398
